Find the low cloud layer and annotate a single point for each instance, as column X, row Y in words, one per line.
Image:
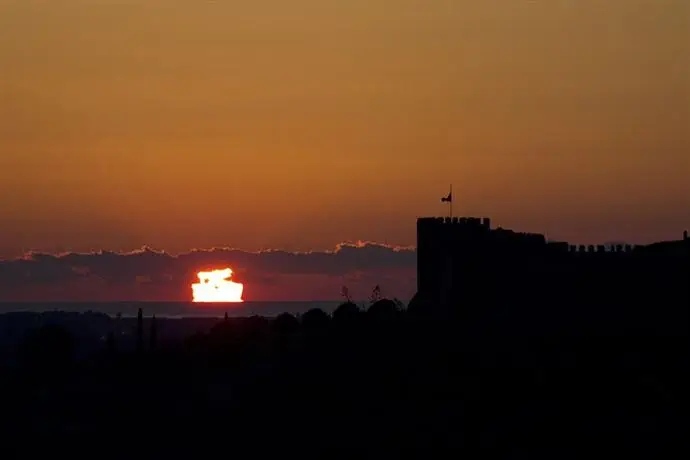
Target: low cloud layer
column 152, row 275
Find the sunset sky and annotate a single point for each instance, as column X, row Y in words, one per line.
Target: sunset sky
column 297, row 125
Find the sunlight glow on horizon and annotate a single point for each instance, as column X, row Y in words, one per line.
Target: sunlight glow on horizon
column 216, row 286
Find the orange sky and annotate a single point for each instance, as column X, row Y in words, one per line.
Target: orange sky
column 300, row 124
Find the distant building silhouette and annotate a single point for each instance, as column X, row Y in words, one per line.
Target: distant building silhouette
column 465, row 257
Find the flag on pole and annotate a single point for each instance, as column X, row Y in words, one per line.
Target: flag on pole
column 449, row 199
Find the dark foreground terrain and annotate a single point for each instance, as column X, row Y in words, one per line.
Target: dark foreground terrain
column 381, row 381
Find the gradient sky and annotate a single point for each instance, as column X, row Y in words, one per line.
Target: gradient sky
column 299, row 124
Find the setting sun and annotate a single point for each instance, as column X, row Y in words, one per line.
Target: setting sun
column 215, row 286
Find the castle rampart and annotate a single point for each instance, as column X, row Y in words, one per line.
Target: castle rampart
column 456, row 255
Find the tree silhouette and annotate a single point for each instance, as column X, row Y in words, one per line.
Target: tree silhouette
column 49, row 347
column 345, row 292
column 383, row 311
column 315, row 321
column 399, row 303
column 153, row 335
column 347, row 315
column 285, row 324
column 375, row 294
column 110, row 343
column 140, row 331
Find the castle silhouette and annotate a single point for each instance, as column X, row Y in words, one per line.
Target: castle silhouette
column 464, row 261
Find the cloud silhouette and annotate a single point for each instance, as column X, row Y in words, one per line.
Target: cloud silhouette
column 149, row 274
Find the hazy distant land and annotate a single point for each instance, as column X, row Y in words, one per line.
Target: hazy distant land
column 174, row 309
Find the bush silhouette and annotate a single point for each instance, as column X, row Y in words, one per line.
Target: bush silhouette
column 384, row 310
column 315, row 320
column 347, row 314
column 285, row 325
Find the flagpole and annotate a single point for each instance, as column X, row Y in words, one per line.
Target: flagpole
column 451, row 201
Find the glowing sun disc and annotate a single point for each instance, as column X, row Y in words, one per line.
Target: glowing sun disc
column 215, row 286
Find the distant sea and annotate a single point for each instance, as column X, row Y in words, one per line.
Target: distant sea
column 174, row 309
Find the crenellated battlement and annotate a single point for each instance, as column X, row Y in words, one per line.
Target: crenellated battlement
column 442, row 228
column 473, row 222
column 601, row 249
column 459, row 252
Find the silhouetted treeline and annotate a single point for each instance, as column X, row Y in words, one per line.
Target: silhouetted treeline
column 386, row 379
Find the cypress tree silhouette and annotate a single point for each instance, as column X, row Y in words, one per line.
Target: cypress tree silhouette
column 140, row 331
column 153, row 335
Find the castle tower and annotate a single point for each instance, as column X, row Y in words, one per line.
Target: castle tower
column 429, row 258
column 447, row 252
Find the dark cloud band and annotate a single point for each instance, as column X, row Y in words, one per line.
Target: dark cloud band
column 149, row 267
